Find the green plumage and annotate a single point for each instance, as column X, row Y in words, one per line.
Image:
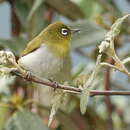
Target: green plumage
column 52, row 37
column 33, row 45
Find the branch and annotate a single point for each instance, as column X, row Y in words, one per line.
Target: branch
column 109, row 93
column 125, row 61
column 69, row 88
column 43, row 81
column 107, row 46
column 107, row 86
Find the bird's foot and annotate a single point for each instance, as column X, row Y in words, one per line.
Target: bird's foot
column 54, row 84
column 14, row 71
column 28, row 76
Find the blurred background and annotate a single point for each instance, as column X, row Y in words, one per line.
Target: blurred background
column 22, row 20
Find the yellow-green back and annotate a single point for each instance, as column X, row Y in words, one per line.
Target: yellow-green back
column 56, row 36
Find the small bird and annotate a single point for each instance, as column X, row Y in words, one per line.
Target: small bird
column 46, row 53
column 47, row 56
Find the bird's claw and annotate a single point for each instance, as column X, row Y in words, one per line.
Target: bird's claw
column 54, row 84
column 28, row 75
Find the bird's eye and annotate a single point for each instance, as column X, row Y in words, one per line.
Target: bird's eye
column 64, row 31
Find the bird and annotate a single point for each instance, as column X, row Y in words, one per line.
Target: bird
column 46, row 54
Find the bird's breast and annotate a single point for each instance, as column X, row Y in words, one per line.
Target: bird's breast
column 42, row 62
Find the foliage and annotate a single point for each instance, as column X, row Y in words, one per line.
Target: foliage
column 17, row 121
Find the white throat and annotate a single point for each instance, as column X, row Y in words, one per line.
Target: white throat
column 41, row 62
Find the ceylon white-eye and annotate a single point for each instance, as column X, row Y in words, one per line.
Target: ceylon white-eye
column 45, row 54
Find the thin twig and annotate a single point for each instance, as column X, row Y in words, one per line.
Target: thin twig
column 70, row 88
column 109, row 93
column 109, row 65
column 43, row 81
column 107, row 99
column 125, row 61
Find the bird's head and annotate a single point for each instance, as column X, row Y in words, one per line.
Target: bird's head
column 58, row 37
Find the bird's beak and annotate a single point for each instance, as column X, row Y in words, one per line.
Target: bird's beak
column 74, row 30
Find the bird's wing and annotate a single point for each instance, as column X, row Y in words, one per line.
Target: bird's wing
column 33, row 45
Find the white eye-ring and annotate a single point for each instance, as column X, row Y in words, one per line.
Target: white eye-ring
column 64, row 31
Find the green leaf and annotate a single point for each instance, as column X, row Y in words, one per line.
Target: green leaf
column 84, row 100
column 116, row 27
column 123, row 6
column 34, row 8
column 37, row 23
column 22, row 9
column 30, row 16
column 90, row 34
column 66, row 8
column 16, row 44
column 86, row 88
column 1, row 1
column 78, row 70
column 25, row 120
column 57, row 100
column 5, row 82
column 91, row 8
column 3, row 116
